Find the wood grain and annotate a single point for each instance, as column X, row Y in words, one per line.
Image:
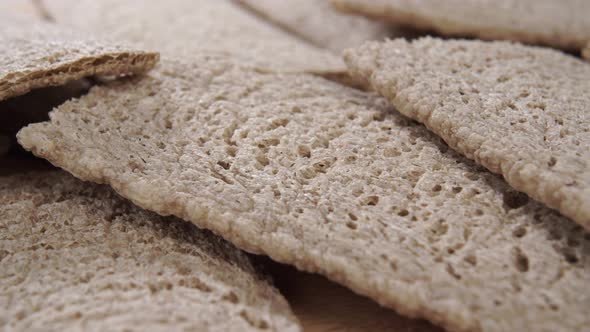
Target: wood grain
column 324, row 306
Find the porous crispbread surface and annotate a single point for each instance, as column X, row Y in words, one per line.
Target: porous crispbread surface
column 186, row 27
column 317, row 22
column 36, row 54
column 328, row 179
column 562, row 24
column 520, row 111
column 75, row 256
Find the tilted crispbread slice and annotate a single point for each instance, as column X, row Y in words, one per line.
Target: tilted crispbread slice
column 317, row 22
column 520, row 111
column 187, row 27
column 36, row 54
column 558, row 23
column 75, row 256
column 20, row 8
column 324, row 177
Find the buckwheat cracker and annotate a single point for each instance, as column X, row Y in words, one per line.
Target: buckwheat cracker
column 317, row 22
column 520, row 111
column 35, row 54
column 327, row 178
column 562, row 24
column 75, row 256
column 186, row 27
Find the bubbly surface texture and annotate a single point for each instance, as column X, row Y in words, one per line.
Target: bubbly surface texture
column 327, row 178
column 520, row 111
column 75, row 256
column 187, row 27
column 557, row 23
column 36, row 54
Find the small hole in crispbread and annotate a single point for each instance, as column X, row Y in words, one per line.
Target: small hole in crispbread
column 519, row 232
column 515, row 199
column 521, row 261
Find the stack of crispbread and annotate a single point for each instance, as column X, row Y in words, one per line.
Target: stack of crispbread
column 455, row 187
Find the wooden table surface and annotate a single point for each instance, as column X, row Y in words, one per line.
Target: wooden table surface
column 324, row 306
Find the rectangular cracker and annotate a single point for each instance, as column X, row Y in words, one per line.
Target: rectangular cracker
column 328, row 179
column 186, row 27
column 34, row 54
column 520, row 111
column 75, row 256
column 318, row 23
column 561, row 24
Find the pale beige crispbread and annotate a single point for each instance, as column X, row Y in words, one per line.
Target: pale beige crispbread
column 558, row 23
column 520, row 111
column 20, row 8
column 186, row 27
column 36, row 54
column 75, row 256
column 317, row 22
column 326, row 178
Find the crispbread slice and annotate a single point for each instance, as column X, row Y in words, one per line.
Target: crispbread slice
column 558, row 23
column 75, row 256
column 20, row 8
column 317, row 22
column 520, row 111
column 186, row 27
column 326, row 178
column 35, row 54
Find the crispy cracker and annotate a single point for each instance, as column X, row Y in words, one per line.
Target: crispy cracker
column 562, row 24
column 36, row 54
column 520, row 111
column 187, row 27
column 318, row 23
column 75, row 256
column 326, row 178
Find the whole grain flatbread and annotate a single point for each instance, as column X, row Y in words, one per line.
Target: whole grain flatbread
column 326, row 178
column 186, row 27
column 520, row 111
column 20, row 8
column 317, row 22
column 75, row 256
column 558, row 23
column 36, row 54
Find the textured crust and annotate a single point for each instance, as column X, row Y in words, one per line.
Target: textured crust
column 318, row 23
column 185, row 27
column 75, row 256
column 520, row 111
column 562, row 24
column 35, row 55
column 326, row 178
